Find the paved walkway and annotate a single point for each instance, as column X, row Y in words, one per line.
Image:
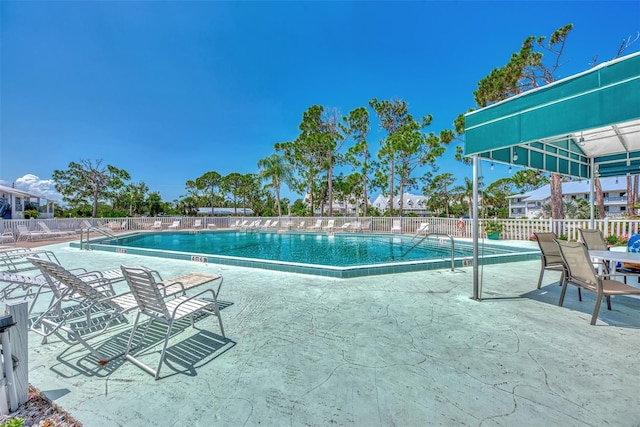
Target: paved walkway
column 406, row 350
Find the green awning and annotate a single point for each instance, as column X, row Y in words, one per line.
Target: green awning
column 562, row 127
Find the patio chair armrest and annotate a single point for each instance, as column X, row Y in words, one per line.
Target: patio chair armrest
column 98, row 282
column 199, row 294
column 217, row 292
column 108, row 298
column 164, row 286
column 156, row 275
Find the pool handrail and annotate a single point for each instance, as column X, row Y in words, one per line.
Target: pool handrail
column 435, row 234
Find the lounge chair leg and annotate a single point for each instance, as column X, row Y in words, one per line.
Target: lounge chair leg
column 133, row 331
column 562, row 292
column 580, row 294
column 608, row 297
column 164, row 349
column 540, row 278
column 596, row 309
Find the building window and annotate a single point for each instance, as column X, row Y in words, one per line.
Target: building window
column 623, row 208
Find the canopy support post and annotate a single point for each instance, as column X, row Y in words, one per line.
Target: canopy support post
column 474, row 231
column 592, row 221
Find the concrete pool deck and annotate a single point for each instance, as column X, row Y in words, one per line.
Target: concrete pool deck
column 406, row 349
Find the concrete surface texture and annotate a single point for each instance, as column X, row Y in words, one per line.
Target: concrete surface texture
column 406, row 350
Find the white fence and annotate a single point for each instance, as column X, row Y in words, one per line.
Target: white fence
column 513, row 229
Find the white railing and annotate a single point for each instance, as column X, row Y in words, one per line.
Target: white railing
column 513, row 229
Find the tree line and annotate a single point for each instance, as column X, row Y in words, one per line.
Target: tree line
column 333, row 159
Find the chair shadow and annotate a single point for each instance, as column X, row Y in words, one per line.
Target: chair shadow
column 196, row 351
column 624, row 313
column 77, row 360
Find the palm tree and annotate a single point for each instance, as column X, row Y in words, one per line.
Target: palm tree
column 274, row 168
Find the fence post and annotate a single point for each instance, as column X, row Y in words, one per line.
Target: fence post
column 19, row 349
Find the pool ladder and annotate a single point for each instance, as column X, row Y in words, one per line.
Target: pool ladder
column 434, row 234
column 89, row 230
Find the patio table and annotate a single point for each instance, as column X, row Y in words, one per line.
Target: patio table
column 614, row 256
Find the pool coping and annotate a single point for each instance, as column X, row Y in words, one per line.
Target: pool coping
column 346, row 272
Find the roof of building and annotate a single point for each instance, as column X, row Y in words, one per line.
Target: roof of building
column 573, row 187
column 20, row 193
column 225, row 211
column 409, row 201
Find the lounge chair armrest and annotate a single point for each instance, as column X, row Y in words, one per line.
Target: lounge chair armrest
column 199, row 294
column 107, row 299
column 156, row 275
column 164, row 286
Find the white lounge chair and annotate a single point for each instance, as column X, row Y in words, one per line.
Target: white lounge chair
column 317, row 226
column 329, row 226
column 7, row 237
column 301, row 225
column 266, row 224
column 174, row 225
column 274, row 224
column 26, row 234
column 423, row 228
column 151, row 303
column 361, row 226
column 197, row 223
column 345, row 227
column 157, row 225
column 55, row 231
column 14, row 259
column 396, row 227
column 89, row 314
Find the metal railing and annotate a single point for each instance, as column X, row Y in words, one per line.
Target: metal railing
column 86, row 244
column 435, row 234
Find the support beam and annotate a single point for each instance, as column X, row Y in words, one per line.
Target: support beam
column 475, row 224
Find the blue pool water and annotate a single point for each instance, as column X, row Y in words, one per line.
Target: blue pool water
column 340, row 255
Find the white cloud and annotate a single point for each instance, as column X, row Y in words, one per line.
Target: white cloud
column 41, row 187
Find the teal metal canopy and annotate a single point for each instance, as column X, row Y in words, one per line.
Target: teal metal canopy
column 584, row 125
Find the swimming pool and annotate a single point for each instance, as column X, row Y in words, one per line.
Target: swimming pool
column 340, row 255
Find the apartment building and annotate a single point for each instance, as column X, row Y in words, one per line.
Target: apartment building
column 529, row 204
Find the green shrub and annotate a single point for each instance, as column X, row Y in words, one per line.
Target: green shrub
column 13, row 422
column 492, row 226
column 612, row 239
column 31, row 213
column 615, row 240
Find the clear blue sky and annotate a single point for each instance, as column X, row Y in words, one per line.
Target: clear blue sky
column 170, row 90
